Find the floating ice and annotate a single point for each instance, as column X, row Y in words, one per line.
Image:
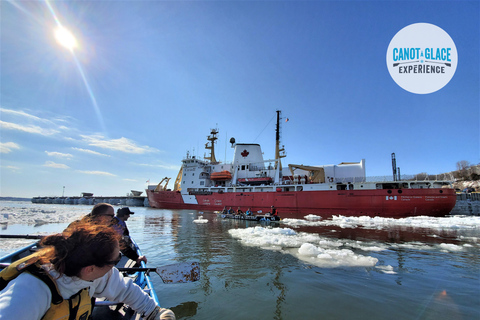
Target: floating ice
column 200, row 219
column 366, row 222
column 39, row 214
column 447, row 247
column 386, row 269
column 308, row 247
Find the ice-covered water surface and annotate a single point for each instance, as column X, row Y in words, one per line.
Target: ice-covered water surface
column 451, row 222
column 20, row 212
column 330, row 252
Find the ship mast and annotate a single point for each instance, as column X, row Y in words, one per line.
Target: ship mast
column 278, row 151
column 211, row 138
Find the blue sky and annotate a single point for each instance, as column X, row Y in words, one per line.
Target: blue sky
column 149, row 79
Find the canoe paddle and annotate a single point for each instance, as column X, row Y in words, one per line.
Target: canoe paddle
column 21, row 236
column 174, row 273
column 182, row 272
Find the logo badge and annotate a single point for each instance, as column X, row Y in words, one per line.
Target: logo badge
column 422, row 58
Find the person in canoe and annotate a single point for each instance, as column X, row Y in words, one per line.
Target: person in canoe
column 273, row 213
column 126, row 245
column 248, row 212
column 60, row 280
column 104, row 213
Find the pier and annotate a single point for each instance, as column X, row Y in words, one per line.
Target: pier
column 133, row 199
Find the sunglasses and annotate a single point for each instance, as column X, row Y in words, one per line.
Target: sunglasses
column 115, row 262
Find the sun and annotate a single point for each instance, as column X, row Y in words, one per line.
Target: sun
column 65, row 38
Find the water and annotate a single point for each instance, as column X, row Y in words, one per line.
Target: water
column 422, row 268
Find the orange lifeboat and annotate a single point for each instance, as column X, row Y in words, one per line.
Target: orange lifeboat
column 221, row 176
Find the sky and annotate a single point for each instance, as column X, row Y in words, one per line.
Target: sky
column 148, row 80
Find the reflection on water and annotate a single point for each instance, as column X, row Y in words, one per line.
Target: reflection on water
column 420, row 273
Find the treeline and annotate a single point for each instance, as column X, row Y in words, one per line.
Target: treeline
column 467, row 171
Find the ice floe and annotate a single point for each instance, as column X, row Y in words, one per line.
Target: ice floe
column 308, row 247
column 200, row 219
column 41, row 214
column 366, row 222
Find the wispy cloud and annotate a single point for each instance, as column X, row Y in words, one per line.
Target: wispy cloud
column 98, row 173
column 121, row 144
column 13, row 168
column 28, row 128
column 23, row 114
column 59, row 154
column 52, row 164
column 130, row 180
column 162, row 166
column 7, row 147
column 90, row 152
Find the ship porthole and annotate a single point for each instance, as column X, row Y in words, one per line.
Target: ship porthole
column 400, row 191
column 389, row 191
column 441, row 191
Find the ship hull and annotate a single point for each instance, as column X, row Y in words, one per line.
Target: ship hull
column 396, row 203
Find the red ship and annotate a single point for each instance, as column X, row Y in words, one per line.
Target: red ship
column 297, row 190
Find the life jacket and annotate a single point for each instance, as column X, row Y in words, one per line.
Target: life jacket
column 77, row 307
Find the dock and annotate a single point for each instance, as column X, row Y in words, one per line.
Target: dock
column 133, row 199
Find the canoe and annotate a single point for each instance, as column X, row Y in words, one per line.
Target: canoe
column 258, row 217
column 103, row 309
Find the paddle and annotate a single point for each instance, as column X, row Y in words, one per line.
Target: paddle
column 174, row 273
column 21, row 236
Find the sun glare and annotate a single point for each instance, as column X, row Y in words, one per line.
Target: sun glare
column 65, row 38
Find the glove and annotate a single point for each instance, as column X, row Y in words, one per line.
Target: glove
column 161, row 314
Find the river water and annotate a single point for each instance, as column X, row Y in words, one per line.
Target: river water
column 340, row 268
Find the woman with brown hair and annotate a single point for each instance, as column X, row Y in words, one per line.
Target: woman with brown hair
column 74, row 266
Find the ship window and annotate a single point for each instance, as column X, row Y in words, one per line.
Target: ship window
column 202, row 183
column 243, row 167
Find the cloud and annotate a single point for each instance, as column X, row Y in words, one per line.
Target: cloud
column 90, row 152
column 23, row 114
column 130, row 180
column 98, row 173
column 121, row 144
column 6, row 147
column 13, row 168
column 59, row 154
column 52, row 164
column 162, row 166
column 28, row 128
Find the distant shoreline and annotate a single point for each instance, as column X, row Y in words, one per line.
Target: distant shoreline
column 15, row 199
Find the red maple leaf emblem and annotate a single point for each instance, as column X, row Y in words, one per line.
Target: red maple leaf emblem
column 245, row 153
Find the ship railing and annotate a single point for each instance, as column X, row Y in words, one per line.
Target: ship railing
column 413, row 177
column 446, row 177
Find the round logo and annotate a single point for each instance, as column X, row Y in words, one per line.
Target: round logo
column 422, row 58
